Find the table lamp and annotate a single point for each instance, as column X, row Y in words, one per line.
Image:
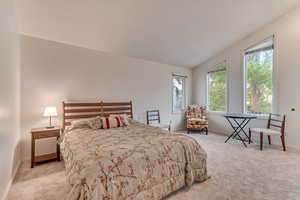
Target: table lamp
column 50, row 112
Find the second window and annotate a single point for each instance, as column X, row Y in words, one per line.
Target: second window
column 217, row 89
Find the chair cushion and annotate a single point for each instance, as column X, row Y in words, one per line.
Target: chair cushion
column 266, row 131
column 197, row 126
column 197, row 121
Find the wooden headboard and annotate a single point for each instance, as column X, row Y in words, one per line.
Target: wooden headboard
column 72, row 111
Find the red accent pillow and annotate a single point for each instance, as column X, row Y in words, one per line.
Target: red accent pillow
column 112, row 122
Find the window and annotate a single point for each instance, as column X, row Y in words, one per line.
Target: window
column 178, row 83
column 259, row 78
column 216, row 89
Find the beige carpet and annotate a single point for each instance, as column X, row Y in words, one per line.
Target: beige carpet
column 237, row 173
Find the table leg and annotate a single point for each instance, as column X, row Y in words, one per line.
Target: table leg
column 241, row 139
column 237, row 130
column 239, row 126
column 242, row 126
column 32, row 151
column 261, row 140
column 58, row 149
column 234, row 132
column 229, row 137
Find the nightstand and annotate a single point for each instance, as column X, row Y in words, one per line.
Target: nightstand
column 40, row 133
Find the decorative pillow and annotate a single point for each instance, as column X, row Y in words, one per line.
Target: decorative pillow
column 95, row 123
column 80, row 123
column 112, row 122
column 124, row 118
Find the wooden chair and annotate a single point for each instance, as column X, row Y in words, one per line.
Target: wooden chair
column 270, row 132
column 153, row 119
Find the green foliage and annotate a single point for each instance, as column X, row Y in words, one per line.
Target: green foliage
column 259, row 82
column 217, row 89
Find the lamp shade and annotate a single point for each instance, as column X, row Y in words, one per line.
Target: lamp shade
column 50, row 112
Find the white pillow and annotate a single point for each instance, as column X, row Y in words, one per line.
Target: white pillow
column 80, row 123
column 95, row 123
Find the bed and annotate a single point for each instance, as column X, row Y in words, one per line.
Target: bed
column 137, row 161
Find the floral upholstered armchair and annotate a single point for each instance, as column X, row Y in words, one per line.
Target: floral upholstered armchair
column 196, row 118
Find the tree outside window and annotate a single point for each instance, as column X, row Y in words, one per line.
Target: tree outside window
column 216, row 89
column 259, row 82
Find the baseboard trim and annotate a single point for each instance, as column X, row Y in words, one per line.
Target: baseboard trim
column 6, row 191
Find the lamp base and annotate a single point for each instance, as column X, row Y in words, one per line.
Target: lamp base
column 48, row 127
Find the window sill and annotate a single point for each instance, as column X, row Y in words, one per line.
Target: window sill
column 178, row 113
column 259, row 116
column 217, row 112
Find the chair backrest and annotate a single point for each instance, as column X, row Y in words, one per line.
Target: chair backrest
column 276, row 121
column 153, row 116
column 195, row 111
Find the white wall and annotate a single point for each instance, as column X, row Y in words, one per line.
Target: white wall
column 52, row 72
column 9, row 96
column 287, row 62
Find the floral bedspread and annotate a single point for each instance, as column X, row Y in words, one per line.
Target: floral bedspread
column 135, row 162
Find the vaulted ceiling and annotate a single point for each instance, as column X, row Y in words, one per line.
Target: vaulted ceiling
column 176, row 32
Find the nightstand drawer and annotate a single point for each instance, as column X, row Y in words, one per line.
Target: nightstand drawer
column 46, row 134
